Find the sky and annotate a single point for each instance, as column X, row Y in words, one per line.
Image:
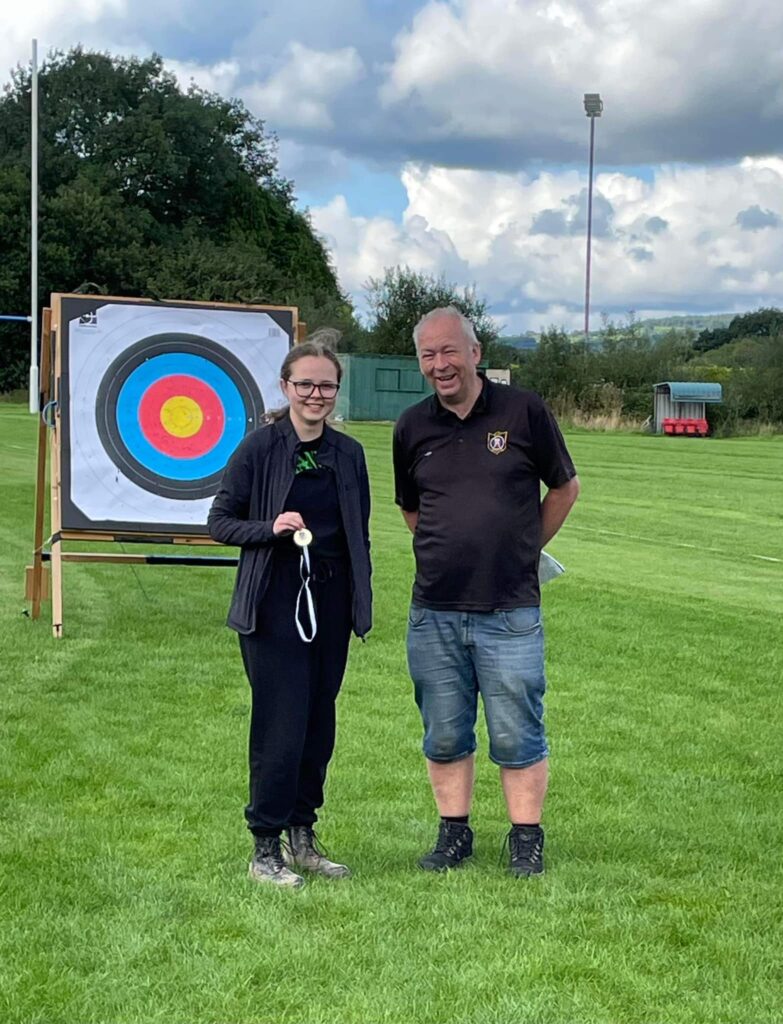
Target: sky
column 450, row 136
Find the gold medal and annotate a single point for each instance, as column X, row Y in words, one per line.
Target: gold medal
column 303, row 538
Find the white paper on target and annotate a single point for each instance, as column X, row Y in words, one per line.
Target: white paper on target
column 99, row 489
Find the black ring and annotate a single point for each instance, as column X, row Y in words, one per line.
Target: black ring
column 118, row 373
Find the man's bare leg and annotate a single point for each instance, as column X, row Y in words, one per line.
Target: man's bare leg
column 452, row 786
column 524, row 790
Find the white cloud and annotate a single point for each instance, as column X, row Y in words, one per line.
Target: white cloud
column 52, row 22
column 365, row 246
column 298, row 95
column 675, row 76
column 491, row 84
column 220, row 77
column 671, row 243
column 312, row 166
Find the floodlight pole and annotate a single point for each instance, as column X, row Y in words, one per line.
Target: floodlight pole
column 34, row 236
column 593, row 107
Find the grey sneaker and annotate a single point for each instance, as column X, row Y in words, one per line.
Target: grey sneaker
column 453, row 846
column 302, row 851
column 526, row 846
column 267, row 864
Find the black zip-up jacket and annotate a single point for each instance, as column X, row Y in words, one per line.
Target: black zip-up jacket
column 252, row 494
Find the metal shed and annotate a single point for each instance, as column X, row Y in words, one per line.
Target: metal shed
column 683, row 400
column 379, row 387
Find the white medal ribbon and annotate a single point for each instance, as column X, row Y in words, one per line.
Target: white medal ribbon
column 303, row 539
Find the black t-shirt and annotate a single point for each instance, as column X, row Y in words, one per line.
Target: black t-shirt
column 314, row 496
column 476, row 486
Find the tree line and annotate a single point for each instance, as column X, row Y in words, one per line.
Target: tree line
column 614, row 379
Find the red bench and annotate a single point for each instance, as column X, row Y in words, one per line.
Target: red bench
column 692, row 427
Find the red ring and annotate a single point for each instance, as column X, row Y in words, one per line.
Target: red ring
column 208, row 434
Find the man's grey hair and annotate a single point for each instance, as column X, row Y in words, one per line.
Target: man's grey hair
column 465, row 324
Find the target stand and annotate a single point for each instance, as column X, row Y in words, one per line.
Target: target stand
column 143, row 403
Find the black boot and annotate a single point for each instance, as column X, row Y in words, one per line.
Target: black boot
column 453, row 846
column 302, row 851
column 526, row 844
column 267, row 864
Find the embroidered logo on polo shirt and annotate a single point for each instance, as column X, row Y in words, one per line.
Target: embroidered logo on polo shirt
column 497, row 442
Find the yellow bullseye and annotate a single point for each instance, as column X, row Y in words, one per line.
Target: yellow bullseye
column 181, row 416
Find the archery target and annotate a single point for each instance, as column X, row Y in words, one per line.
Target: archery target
column 171, row 410
column 156, row 401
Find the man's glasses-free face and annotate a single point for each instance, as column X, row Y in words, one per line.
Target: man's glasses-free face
column 305, row 388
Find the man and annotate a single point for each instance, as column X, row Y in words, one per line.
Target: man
column 468, row 465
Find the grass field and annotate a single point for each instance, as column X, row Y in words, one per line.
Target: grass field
column 123, row 849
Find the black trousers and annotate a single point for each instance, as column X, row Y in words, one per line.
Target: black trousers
column 294, row 687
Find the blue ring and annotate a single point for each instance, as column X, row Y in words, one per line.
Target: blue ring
column 129, row 427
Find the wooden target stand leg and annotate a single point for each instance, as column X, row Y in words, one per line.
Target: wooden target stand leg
column 56, row 490
column 37, row 577
column 56, row 545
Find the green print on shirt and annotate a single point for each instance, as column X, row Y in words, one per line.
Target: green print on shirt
column 305, row 462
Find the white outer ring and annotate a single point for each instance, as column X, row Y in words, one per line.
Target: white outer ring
column 98, row 487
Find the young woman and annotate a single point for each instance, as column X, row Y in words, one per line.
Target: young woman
column 294, row 474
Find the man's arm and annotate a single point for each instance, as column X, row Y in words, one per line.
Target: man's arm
column 411, row 519
column 555, row 507
column 405, row 490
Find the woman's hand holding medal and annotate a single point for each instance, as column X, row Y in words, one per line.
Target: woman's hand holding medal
column 287, row 522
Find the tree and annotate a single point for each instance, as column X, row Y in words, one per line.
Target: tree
column 149, row 191
column 561, row 369
column 399, row 299
column 761, row 323
column 615, row 377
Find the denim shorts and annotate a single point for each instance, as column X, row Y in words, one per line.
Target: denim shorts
column 454, row 656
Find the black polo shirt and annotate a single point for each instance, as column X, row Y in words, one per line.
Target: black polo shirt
column 476, row 484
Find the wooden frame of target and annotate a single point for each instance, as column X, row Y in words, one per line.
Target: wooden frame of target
column 149, row 401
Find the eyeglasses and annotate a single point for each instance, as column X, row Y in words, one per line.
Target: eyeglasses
column 305, row 388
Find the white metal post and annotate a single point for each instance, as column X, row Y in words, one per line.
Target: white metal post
column 589, row 230
column 34, row 237
column 593, row 108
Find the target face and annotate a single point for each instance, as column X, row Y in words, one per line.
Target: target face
column 154, row 400
column 171, row 410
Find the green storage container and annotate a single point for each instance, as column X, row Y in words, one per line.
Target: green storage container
column 377, row 387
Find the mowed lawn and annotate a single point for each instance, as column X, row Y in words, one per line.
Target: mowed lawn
column 124, row 853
